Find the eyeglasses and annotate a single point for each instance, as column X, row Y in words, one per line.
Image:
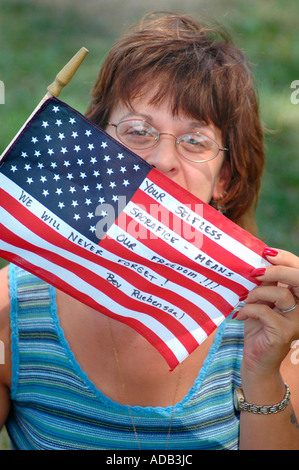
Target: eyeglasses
column 139, row 135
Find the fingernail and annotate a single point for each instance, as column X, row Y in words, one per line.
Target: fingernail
column 270, row 252
column 258, row 272
column 234, row 315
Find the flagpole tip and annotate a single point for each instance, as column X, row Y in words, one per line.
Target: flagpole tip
column 67, row 72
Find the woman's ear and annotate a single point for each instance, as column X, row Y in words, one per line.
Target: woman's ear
column 222, row 181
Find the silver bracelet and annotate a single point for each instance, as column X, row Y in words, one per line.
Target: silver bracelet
column 241, row 405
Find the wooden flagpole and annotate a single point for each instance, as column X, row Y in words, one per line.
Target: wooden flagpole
column 61, row 80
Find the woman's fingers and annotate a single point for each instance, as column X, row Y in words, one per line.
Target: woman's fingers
column 281, row 298
column 282, row 257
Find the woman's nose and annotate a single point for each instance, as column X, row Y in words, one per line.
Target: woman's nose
column 164, row 156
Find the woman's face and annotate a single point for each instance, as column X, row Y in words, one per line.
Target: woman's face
column 205, row 180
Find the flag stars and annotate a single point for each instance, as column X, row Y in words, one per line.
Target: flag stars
column 78, row 165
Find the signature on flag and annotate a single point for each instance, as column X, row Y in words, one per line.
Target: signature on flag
column 87, row 215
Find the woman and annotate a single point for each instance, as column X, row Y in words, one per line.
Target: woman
column 80, row 380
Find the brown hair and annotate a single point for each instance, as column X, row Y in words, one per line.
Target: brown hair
column 206, row 77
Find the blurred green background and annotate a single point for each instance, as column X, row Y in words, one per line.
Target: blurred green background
column 37, row 37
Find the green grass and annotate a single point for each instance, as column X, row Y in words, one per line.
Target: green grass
column 38, row 37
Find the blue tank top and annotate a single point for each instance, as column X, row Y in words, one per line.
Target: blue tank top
column 56, row 406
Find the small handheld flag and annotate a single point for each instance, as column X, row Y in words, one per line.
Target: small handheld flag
column 90, row 217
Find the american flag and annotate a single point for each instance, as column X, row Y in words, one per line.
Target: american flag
column 90, row 217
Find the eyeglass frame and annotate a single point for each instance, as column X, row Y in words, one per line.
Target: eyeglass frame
column 220, row 149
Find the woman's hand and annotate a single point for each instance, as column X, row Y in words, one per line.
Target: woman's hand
column 269, row 331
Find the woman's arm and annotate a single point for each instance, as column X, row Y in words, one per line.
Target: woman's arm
column 5, row 356
column 269, row 333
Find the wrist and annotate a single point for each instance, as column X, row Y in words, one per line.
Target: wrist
column 262, row 388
